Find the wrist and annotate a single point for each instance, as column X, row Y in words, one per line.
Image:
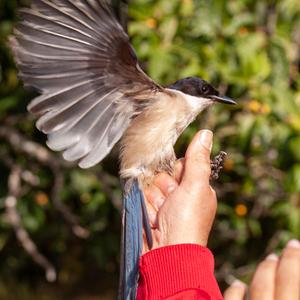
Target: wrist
column 184, row 238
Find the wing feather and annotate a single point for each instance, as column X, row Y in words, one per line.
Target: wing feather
column 79, row 126
column 62, row 32
column 78, row 57
column 97, row 130
column 46, row 23
column 63, row 97
column 71, row 113
column 41, row 47
column 105, row 144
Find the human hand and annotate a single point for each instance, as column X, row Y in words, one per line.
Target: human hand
column 182, row 209
column 276, row 278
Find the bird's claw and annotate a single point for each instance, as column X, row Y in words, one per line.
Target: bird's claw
column 217, row 165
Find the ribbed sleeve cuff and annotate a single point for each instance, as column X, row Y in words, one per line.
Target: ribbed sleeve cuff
column 168, row 270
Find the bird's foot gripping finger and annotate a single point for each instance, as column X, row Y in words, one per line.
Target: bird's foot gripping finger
column 217, row 165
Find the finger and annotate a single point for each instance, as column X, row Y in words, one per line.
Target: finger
column 236, row 291
column 155, row 236
column 151, row 209
column 145, row 247
column 263, row 282
column 288, row 273
column 197, row 161
column 179, row 168
column 165, row 183
column 155, row 196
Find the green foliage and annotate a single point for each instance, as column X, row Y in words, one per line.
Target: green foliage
column 250, row 50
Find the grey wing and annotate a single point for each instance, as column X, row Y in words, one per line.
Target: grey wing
column 78, row 57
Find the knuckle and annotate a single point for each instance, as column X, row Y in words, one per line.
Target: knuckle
column 201, row 159
column 190, row 188
column 202, row 165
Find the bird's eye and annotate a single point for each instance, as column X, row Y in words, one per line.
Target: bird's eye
column 204, row 89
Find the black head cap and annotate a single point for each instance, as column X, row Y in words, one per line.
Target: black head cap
column 198, row 87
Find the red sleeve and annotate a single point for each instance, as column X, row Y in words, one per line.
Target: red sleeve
column 177, row 272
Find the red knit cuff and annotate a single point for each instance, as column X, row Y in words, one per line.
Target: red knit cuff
column 168, row 270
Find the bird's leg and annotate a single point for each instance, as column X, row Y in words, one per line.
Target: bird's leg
column 217, row 165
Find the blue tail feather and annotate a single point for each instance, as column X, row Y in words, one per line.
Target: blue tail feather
column 134, row 219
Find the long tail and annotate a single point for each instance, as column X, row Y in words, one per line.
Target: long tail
column 133, row 220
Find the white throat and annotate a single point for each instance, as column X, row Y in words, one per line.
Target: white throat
column 197, row 104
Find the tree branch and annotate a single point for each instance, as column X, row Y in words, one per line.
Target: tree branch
column 14, row 190
column 21, row 144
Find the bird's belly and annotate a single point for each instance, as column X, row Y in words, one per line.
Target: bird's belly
column 147, row 145
column 148, row 158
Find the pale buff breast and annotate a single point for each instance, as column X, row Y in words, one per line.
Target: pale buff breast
column 147, row 146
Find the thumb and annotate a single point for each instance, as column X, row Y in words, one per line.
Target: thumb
column 197, row 160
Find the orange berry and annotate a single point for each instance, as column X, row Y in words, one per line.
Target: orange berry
column 41, row 198
column 241, row 210
column 151, row 23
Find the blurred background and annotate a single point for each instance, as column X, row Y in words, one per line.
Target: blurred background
column 60, row 226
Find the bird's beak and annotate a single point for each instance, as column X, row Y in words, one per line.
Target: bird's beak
column 223, row 99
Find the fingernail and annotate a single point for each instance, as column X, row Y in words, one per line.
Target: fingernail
column 152, row 217
column 171, row 189
column 159, row 201
column 293, row 244
column 206, row 138
column 272, row 257
column 238, row 283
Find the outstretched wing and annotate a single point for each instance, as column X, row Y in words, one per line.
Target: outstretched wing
column 76, row 54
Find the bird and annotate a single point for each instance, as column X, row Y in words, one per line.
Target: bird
column 93, row 94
